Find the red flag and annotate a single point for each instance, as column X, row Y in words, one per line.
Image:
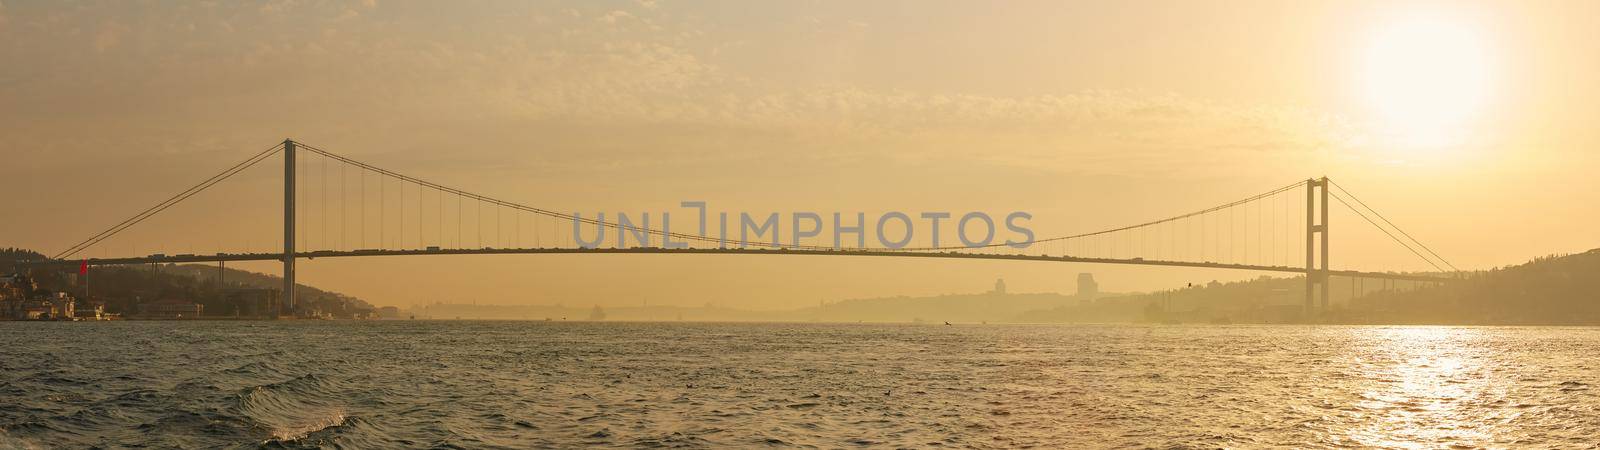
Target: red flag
column 83, row 267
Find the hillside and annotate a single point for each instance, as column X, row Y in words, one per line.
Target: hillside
column 123, row 288
column 1553, row 290
column 1265, row 299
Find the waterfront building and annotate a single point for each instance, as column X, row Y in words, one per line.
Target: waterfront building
column 58, row 307
column 90, row 311
column 63, row 307
column 35, row 311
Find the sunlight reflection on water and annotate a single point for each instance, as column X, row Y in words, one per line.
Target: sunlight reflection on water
column 522, row 384
column 1419, row 385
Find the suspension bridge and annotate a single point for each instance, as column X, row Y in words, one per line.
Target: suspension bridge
column 1283, row 230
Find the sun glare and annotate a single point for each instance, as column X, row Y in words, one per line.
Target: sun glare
column 1425, row 79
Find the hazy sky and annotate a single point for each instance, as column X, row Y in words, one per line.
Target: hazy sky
column 1470, row 123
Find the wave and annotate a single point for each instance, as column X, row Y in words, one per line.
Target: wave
column 294, row 432
column 294, row 409
column 7, row 442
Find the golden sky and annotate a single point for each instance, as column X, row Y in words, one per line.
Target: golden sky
column 1471, row 124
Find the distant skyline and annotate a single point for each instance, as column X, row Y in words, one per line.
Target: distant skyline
column 1471, row 123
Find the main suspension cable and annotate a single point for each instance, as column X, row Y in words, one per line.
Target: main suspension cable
column 1396, row 227
column 159, row 207
column 1385, row 231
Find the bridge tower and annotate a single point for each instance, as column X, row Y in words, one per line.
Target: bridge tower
column 1316, row 239
column 287, row 301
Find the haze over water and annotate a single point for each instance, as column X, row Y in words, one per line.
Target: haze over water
column 553, row 384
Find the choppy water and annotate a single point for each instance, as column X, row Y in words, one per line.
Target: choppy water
column 540, row 384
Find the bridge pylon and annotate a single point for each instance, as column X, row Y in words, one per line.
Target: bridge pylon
column 287, row 302
column 1316, row 245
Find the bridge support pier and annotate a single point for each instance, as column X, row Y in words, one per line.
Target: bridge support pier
column 1316, row 239
column 288, row 225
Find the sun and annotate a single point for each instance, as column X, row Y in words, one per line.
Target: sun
column 1426, row 78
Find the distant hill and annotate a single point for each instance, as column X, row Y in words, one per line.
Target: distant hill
column 1552, row 290
column 1548, row 291
column 125, row 287
column 9, row 257
column 1264, row 299
column 327, row 300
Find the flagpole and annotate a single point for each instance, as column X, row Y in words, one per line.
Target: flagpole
column 84, row 271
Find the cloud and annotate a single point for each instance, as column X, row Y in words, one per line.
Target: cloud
column 614, row 16
column 355, row 10
column 638, row 83
column 583, row 68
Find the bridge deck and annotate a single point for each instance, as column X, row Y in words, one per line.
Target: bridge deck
column 228, row 257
